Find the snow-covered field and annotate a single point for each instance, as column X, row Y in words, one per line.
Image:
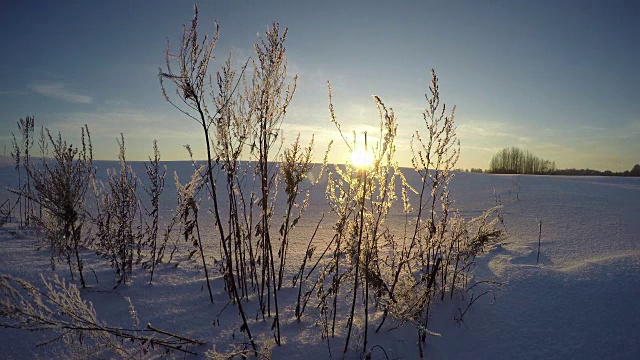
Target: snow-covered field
column 580, row 301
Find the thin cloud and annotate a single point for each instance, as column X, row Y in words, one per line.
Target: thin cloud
column 59, row 92
column 14, row 92
column 135, row 124
column 116, row 102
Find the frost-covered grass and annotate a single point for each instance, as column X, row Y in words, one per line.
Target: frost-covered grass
column 580, row 301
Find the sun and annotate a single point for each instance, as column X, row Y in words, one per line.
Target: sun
column 361, row 159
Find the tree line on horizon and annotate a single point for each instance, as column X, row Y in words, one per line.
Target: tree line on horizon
column 516, row 161
column 634, row 172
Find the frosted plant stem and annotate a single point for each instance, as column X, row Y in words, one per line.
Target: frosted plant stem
column 357, row 257
column 539, row 239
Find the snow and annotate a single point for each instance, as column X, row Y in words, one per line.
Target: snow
column 579, row 301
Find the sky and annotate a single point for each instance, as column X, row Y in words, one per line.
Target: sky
column 558, row 78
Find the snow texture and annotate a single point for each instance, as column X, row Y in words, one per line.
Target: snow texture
column 579, row 301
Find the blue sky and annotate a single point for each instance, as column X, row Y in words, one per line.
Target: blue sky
column 559, row 78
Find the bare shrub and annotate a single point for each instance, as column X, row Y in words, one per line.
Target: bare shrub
column 294, row 168
column 271, row 97
column 243, row 118
column 361, row 195
column 21, row 155
column 232, row 132
column 438, row 255
column 154, row 189
column 187, row 212
column 400, row 274
column 61, row 309
column 189, row 80
column 117, row 237
column 59, row 186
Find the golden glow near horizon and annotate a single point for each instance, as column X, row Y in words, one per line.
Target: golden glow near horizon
column 361, row 158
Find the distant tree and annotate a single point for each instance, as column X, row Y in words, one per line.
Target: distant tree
column 635, row 171
column 515, row 161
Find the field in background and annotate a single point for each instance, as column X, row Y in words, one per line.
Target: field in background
column 579, row 301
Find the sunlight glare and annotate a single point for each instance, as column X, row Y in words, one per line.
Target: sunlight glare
column 361, row 158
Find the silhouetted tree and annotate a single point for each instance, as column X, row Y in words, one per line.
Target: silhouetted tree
column 515, row 161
